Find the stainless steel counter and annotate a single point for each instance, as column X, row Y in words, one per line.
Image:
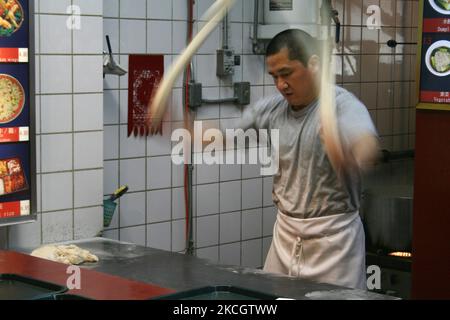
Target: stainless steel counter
column 182, row 272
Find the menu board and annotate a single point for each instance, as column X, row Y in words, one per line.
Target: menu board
column 434, row 48
column 17, row 146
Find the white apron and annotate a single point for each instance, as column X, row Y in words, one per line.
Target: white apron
column 327, row 249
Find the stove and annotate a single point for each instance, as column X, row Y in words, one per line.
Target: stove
column 386, row 212
column 395, row 273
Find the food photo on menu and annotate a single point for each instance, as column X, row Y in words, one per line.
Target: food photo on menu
column 14, row 106
column 14, row 172
column 14, row 29
column 442, row 6
column 11, row 17
column 438, row 58
column 12, row 98
column 12, row 177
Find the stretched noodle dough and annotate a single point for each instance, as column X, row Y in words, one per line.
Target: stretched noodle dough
column 328, row 113
column 158, row 104
column 68, row 254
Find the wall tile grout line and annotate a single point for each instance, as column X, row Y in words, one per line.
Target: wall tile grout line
column 119, row 211
column 146, row 234
column 73, row 135
column 171, row 167
column 40, row 127
column 68, row 14
column 69, row 209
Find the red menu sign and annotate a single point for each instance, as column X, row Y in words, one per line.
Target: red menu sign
column 435, row 54
column 17, row 179
column 14, row 134
column 13, row 55
column 14, row 209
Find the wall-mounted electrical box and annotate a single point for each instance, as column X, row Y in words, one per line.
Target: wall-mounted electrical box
column 242, row 93
column 276, row 16
column 279, row 15
column 195, row 94
column 17, row 114
column 226, row 61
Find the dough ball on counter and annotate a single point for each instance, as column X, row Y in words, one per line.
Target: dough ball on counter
column 67, row 254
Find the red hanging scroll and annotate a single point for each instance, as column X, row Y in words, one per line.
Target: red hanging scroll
column 145, row 73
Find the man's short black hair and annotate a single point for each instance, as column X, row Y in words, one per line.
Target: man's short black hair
column 300, row 44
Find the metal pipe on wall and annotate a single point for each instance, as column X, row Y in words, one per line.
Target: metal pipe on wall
column 224, row 100
column 225, row 29
column 256, row 49
column 188, row 168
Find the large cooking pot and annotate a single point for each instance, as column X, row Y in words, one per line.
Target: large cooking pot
column 387, row 214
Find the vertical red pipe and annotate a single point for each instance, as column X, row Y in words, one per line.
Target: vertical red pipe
column 186, row 112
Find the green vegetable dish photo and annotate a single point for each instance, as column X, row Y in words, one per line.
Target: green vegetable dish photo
column 444, row 4
column 440, row 59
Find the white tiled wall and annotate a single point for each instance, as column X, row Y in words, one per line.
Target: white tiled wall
column 69, row 115
column 233, row 208
column 382, row 77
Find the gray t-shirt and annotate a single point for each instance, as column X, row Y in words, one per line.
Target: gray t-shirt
column 306, row 185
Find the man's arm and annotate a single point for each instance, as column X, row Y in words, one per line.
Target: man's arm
column 365, row 152
column 358, row 134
